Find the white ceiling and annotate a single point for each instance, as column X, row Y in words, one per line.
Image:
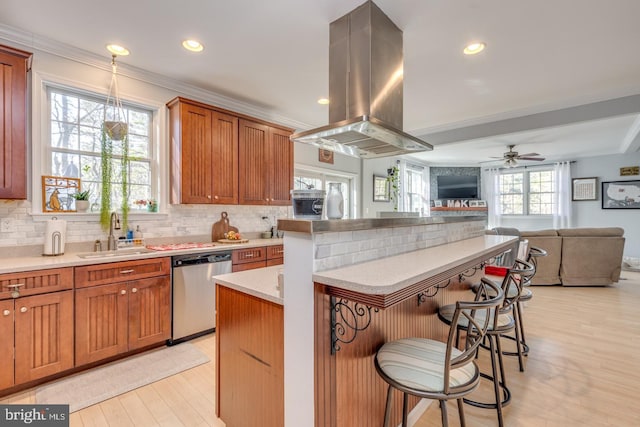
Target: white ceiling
column 541, row 56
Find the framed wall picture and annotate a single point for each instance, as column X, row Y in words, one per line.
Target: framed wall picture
column 584, row 189
column 57, row 194
column 621, row 195
column 380, row 189
column 325, row 156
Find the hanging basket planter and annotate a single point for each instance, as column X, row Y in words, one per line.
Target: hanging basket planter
column 115, row 130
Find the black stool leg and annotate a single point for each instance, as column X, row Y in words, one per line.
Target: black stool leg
column 517, row 318
column 443, row 412
column 463, row 423
column 387, row 408
column 405, row 406
column 495, row 348
column 525, row 347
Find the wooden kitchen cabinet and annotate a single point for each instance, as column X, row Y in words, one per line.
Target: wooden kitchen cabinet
column 204, row 154
column 36, row 326
column 121, row 307
column 248, row 259
column 265, row 164
column 250, row 360
column 14, row 65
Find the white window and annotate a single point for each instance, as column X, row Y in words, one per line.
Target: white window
column 527, row 192
column 320, row 180
column 75, row 143
column 416, row 193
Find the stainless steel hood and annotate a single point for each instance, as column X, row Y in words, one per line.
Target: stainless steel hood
column 365, row 89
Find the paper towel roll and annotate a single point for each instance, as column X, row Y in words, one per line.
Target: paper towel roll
column 55, row 236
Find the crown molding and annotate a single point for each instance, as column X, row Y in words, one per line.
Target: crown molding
column 26, row 40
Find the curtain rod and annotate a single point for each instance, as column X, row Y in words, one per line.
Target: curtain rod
column 529, row 166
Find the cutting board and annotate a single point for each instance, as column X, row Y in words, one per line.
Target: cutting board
column 233, row 241
column 221, row 227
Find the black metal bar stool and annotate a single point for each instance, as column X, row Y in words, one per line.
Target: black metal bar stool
column 505, row 323
column 437, row 370
column 525, row 295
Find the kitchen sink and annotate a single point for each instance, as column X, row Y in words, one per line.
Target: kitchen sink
column 114, row 254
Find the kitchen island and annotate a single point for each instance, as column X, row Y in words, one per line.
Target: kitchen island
column 339, row 308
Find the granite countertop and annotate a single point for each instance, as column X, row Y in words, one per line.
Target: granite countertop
column 392, row 274
column 260, row 282
column 71, row 259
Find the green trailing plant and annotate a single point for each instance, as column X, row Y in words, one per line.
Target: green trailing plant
column 393, row 180
column 107, row 171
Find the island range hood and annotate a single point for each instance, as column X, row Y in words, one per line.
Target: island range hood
column 365, row 89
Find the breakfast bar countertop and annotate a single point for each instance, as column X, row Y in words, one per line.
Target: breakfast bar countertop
column 260, row 282
column 394, row 273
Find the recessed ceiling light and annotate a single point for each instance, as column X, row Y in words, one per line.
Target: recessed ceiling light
column 473, row 48
column 323, row 101
column 117, row 49
column 192, row 45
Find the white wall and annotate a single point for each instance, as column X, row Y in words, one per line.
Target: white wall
column 590, row 213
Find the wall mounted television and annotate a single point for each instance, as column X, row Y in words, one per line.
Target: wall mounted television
column 457, row 186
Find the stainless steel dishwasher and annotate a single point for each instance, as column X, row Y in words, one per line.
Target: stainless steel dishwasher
column 194, row 293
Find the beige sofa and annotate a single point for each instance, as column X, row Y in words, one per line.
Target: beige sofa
column 578, row 256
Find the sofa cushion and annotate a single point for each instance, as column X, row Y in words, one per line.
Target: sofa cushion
column 539, row 233
column 589, row 261
column 548, row 270
column 591, row 232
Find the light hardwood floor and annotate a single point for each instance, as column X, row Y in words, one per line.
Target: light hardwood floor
column 583, row 370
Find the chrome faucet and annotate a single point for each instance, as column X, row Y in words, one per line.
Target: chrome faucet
column 114, row 224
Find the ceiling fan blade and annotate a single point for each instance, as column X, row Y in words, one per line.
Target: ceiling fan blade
column 494, row 157
column 531, row 158
column 528, row 155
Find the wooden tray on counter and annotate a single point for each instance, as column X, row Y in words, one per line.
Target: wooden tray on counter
column 233, row 241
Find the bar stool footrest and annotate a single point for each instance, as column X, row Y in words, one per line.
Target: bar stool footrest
column 505, row 392
column 525, row 347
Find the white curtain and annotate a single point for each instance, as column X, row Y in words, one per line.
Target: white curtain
column 491, row 193
column 562, row 195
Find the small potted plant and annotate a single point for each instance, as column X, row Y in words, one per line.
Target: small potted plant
column 152, row 205
column 82, row 200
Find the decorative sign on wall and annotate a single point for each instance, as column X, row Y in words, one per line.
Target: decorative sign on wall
column 630, row 170
column 325, row 156
column 584, row 189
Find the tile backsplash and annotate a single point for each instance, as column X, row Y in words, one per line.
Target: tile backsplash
column 178, row 220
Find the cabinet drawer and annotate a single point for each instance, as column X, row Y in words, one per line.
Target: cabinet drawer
column 274, row 252
column 275, row 261
column 240, row 256
column 36, row 282
column 248, row 266
column 101, row 274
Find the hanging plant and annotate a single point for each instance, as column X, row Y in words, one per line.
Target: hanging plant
column 114, row 130
column 393, row 180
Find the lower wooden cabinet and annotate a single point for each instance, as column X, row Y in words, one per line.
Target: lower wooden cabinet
column 39, row 329
column 121, row 306
column 248, row 259
column 250, row 360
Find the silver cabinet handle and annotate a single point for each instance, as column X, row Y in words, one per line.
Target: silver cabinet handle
column 23, row 309
column 127, row 271
column 6, row 312
column 134, row 290
column 123, row 292
column 248, row 255
column 16, row 286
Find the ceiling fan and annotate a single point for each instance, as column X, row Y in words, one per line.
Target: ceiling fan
column 511, row 157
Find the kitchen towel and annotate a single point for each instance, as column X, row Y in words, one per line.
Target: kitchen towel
column 55, row 236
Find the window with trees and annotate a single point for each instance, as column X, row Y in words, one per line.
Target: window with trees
column 74, row 148
column 527, row 192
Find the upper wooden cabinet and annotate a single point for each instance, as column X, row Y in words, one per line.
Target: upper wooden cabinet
column 266, row 164
column 13, row 123
column 204, row 154
column 222, row 157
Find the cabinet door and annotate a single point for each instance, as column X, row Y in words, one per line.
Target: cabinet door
column 224, row 158
column 149, row 311
column 253, row 163
column 6, row 343
column 101, row 322
column 280, row 167
column 43, row 335
column 13, row 123
column 196, row 167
